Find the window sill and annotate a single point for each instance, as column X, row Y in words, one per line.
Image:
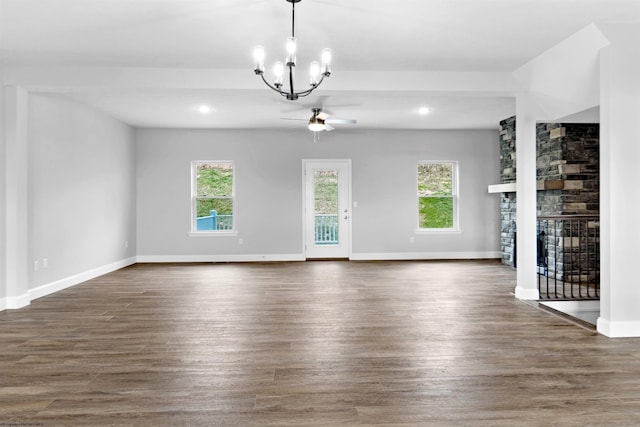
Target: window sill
column 229, row 233
column 438, row 231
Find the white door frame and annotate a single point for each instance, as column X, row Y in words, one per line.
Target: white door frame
column 345, row 238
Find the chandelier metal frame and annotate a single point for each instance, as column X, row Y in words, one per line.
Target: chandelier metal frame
column 317, row 72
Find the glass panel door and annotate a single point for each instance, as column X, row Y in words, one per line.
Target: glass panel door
column 327, row 213
column 325, row 189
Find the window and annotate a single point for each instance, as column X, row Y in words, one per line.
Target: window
column 212, row 196
column 437, row 196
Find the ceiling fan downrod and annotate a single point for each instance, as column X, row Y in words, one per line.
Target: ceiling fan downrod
column 317, row 71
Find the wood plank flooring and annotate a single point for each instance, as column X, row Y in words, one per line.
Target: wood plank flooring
column 322, row 343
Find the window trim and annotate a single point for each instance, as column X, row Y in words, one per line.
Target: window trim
column 455, row 190
column 194, row 198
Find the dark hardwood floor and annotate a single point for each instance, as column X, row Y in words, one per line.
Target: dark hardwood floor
column 323, row 343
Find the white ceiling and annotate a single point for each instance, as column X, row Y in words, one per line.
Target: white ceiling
column 367, row 36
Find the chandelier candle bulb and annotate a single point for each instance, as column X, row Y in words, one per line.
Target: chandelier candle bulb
column 326, row 62
column 278, row 71
column 314, row 73
column 258, row 56
column 291, row 52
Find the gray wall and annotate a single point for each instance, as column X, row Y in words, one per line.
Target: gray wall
column 81, row 192
column 95, row 183
column 269, row 190
column 3, row 198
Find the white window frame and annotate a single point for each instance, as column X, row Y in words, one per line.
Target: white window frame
column 455, row 190
column 194, row 212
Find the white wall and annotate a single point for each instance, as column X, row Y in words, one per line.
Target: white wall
column 15, row 197
column 3, row 201
column 565, row 79
column 619, row 181
column 269, row 191
column 81, row 193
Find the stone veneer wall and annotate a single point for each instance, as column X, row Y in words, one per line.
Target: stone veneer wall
column 567, row 153
column 508, row 200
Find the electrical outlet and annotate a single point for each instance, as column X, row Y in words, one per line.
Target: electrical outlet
column 412, row 239
column 240, row 241
column 35, row 266
column 126, row 244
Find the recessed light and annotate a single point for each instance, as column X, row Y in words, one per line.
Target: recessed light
column 204, row 109
column 423, row 111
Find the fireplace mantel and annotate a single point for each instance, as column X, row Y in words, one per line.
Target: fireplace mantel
column 502, row 188
column 550, row 184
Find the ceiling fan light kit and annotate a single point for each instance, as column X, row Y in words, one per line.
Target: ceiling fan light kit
column 320, row 121
column 317, row 70
column 317, row 122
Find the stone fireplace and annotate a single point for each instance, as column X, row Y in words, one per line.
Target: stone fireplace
column 568, row 186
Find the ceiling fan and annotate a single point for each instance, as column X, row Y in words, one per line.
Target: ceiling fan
column 321, row 120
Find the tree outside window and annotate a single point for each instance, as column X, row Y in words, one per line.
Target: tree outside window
column 437, row 195
column 213, row 195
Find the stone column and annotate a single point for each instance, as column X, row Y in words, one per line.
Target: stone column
column 526, row 286
column 508, row 199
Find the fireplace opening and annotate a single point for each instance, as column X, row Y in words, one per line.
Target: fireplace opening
column 542, row 251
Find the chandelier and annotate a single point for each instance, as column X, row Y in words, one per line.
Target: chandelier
column 317, row 71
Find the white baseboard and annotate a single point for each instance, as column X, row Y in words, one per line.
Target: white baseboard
column 527, row 294
column 67, row 282
column 10, row 303
column 618, row 329
column 582, row 305
column 301, row 257
column 219, row 258
column 398, row 256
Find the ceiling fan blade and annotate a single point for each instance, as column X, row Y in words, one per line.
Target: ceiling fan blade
column 341, row 121
column 323, row 116
column 328, row 128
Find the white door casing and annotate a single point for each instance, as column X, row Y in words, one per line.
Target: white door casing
column 327, row 222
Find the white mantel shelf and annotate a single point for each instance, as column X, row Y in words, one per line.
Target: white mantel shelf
column 503, row 188
column 554, row 184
